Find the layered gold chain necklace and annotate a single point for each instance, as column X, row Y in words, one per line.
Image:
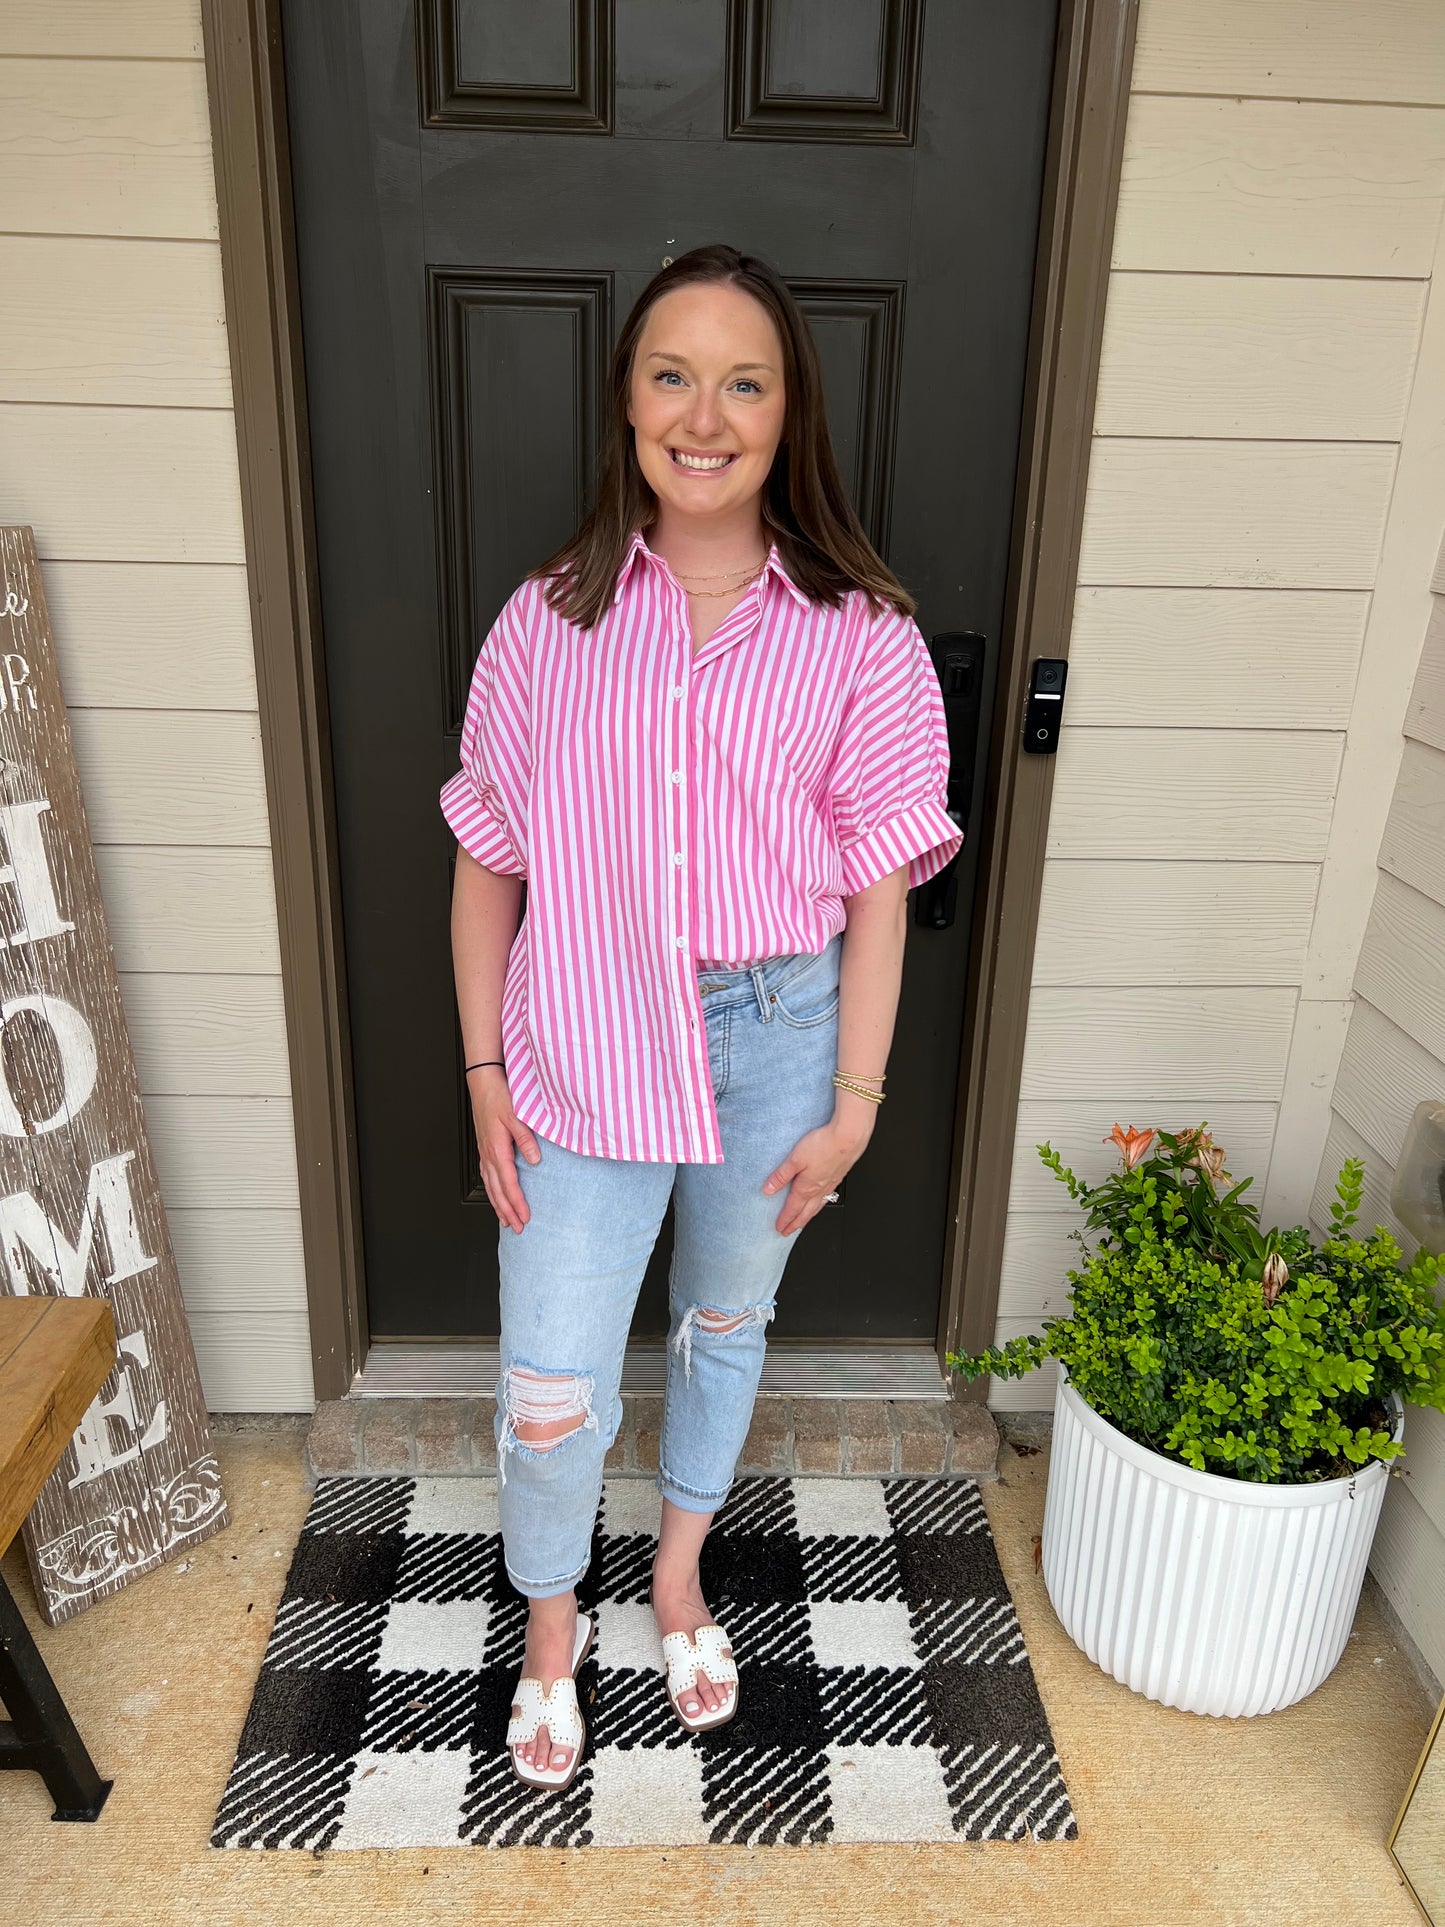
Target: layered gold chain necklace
column 749, row 574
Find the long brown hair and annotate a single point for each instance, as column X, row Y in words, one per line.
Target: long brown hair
column 805, row 506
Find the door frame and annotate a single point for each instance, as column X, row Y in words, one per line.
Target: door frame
column 1083, row 156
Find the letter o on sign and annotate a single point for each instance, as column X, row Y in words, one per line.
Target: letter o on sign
column 75, row 1046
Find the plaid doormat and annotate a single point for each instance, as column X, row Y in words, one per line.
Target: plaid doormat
column 885, row 1690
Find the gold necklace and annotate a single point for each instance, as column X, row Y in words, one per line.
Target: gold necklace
column 716, row 575
column 722, row 592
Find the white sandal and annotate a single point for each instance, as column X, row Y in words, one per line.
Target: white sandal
column 686, row 1658
column 558, row 1711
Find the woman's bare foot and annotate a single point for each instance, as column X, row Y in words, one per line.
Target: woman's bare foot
column 679, row 1607
column 551, row 1636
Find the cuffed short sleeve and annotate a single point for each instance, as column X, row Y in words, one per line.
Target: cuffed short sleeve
column 486, row 801
column 890, row 778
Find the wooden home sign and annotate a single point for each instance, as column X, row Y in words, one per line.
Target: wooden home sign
column 80, row 1209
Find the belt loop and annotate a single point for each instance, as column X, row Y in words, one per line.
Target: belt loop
column 760, row 991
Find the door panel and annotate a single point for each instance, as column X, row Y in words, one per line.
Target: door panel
column 482, row 189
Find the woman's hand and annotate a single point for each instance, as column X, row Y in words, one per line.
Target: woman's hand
column 500, row 1134
column 812, row 1169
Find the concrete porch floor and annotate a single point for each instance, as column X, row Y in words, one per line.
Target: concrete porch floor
column 1277, row 1822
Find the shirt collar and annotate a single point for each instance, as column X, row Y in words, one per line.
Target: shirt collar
column 639, row 546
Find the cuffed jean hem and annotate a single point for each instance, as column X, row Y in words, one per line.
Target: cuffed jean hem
column 546, row 1588
column 686, row 1500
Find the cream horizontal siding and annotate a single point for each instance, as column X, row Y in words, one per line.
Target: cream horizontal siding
column 1278, row 186
column 1257, row 355
column 1239, row 658
column 117, row 444
column 96, row 320
column 89, row 147
column 1237, row 680
column 1329, row 49
column 1235, row 514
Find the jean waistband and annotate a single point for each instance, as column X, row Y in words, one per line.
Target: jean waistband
column 739, row 973
column 768, row 973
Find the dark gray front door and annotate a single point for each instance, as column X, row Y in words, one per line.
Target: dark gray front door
column 482, row 188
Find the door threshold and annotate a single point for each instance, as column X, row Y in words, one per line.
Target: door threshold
column 471, row 1370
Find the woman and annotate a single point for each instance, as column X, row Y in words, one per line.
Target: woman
column 708, row 733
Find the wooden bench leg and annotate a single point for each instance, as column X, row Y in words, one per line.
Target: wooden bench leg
column 40, row 1735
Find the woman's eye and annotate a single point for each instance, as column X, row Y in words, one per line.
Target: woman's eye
column 746, row 383
column 663, row 374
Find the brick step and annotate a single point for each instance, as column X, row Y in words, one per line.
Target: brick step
column 859, row 1438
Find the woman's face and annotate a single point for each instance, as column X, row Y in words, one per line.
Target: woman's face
column 707, row 383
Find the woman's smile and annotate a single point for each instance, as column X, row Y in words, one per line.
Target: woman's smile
column 698, row 462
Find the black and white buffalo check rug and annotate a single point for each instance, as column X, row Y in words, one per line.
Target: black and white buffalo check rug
column 886, row 1693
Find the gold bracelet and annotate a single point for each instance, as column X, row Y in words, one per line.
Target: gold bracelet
column 858, row 1090
column 865, row 1077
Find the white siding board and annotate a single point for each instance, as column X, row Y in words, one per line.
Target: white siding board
column 152, row 635
column 1215, row 658
column 1331, row 49
column 1384, row 1074
column 171, row 776
column 1413, row 847
column 254, row 1362
column 89, row 319
column 1258, row 356
column 122, row 484
column 224, row 1036
column 248, row 1261
column 1408, row 1559
column 1425, row 718
column 140, row 30
column 197, row 908
column 1402, row 964
column 1077, row 1130
column 1250, row 795
column 106, row 147
column 1174, row 923
column 1198, row 1045
column 240, row 1149
column 1039, row 1251
column 1233, row 514
column 1423, row 1466
column 1279, row 187
column 1345, row 1142
column 1035, row 1391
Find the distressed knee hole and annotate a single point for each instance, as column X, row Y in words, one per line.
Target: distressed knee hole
column 542, row 1410
column 711, row 1321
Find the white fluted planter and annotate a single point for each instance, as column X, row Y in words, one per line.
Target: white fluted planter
column 1210, row 1594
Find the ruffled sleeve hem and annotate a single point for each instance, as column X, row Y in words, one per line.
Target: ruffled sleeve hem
column 923, row 835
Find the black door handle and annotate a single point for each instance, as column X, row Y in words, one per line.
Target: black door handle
column 958, row 657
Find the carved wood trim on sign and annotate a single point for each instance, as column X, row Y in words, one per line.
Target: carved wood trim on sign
column 80, row 1207
column 563, row 84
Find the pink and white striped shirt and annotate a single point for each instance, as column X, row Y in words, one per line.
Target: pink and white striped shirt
column 672, row 809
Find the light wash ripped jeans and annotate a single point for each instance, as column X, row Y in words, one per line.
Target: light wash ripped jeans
column 570, row 1279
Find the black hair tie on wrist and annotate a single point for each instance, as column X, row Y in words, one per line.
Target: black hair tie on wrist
column 484, row 1065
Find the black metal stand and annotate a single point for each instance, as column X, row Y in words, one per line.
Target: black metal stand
column 40, row 1736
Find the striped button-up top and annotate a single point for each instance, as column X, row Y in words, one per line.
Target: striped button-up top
column 672, row 808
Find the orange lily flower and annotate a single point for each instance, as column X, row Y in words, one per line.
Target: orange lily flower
column 1133, row 1145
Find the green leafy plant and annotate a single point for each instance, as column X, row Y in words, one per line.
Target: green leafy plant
column 1250, row 1353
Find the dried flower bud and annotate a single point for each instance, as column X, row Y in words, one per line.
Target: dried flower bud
column 1276, row 1276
